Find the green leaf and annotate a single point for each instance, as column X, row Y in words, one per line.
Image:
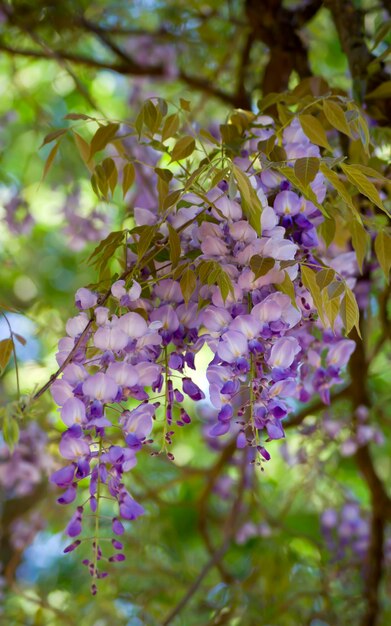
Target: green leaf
column 10, row 432
column 364, row 186
column 183, row 148
column 188, row 284
column 53, row 135
column 128, row 177
column 174, row 245
column 78, row 116
column 170, row 127
column 306, row 169
column 349, row 312
column 251, row 204
column 314, row 130
column 360, row 240
column 336, row 117
column 261, row 265
column 102, row 137
column 383, row 251
column 6, row 347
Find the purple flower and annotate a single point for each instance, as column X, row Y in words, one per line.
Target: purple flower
column 339, row 354
column 130, row 509
column 72, row 447
column 64, row 476
column 100, row 386
column 283, row 352
column 85, row 299
column 73, row 412
column 232, row 346
column 192, row 390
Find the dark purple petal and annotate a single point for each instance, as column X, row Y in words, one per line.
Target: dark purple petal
column 72, row 546
column 64, row 476
column 118, row 527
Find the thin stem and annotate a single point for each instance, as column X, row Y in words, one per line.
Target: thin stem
column 14, row 353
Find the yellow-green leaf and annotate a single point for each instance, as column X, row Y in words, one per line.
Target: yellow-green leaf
column 383, row 251
column 288, row 288
column 251, row 204
column 6, row 347
column 349, row 312
column 308, row 277
column 128, row 176
column 327, row 230
column 360, row 239
column 364, row 186
column 146, row 237
column 50, row 160
column 261, row 265
column 339, row 186
column 336, row 117
column 314, row 130
column 174, row 245
column 188, row 284
column 52, row 136
column 102, row 137
column 10, row 432
column 306, row 169
column 170, row 127
column 183, row 148
column 382, row 91
column 325, row 277
column 84, row 150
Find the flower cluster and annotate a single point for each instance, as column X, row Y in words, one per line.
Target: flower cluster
column 347, row 533
column 130, row 356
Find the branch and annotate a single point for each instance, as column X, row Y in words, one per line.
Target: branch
column 130, row 69
column 349, row 22
column 380, row 501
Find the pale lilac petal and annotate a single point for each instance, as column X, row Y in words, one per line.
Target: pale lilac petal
column 73, row 412
column 283, row 352
column 123, row 374
column 76, row 325
column 232, row 346
column 85, row 298
column 133, row 325
column 339, row 354
column 101, row 387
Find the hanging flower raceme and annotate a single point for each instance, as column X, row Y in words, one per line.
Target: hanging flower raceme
column 231, row 269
